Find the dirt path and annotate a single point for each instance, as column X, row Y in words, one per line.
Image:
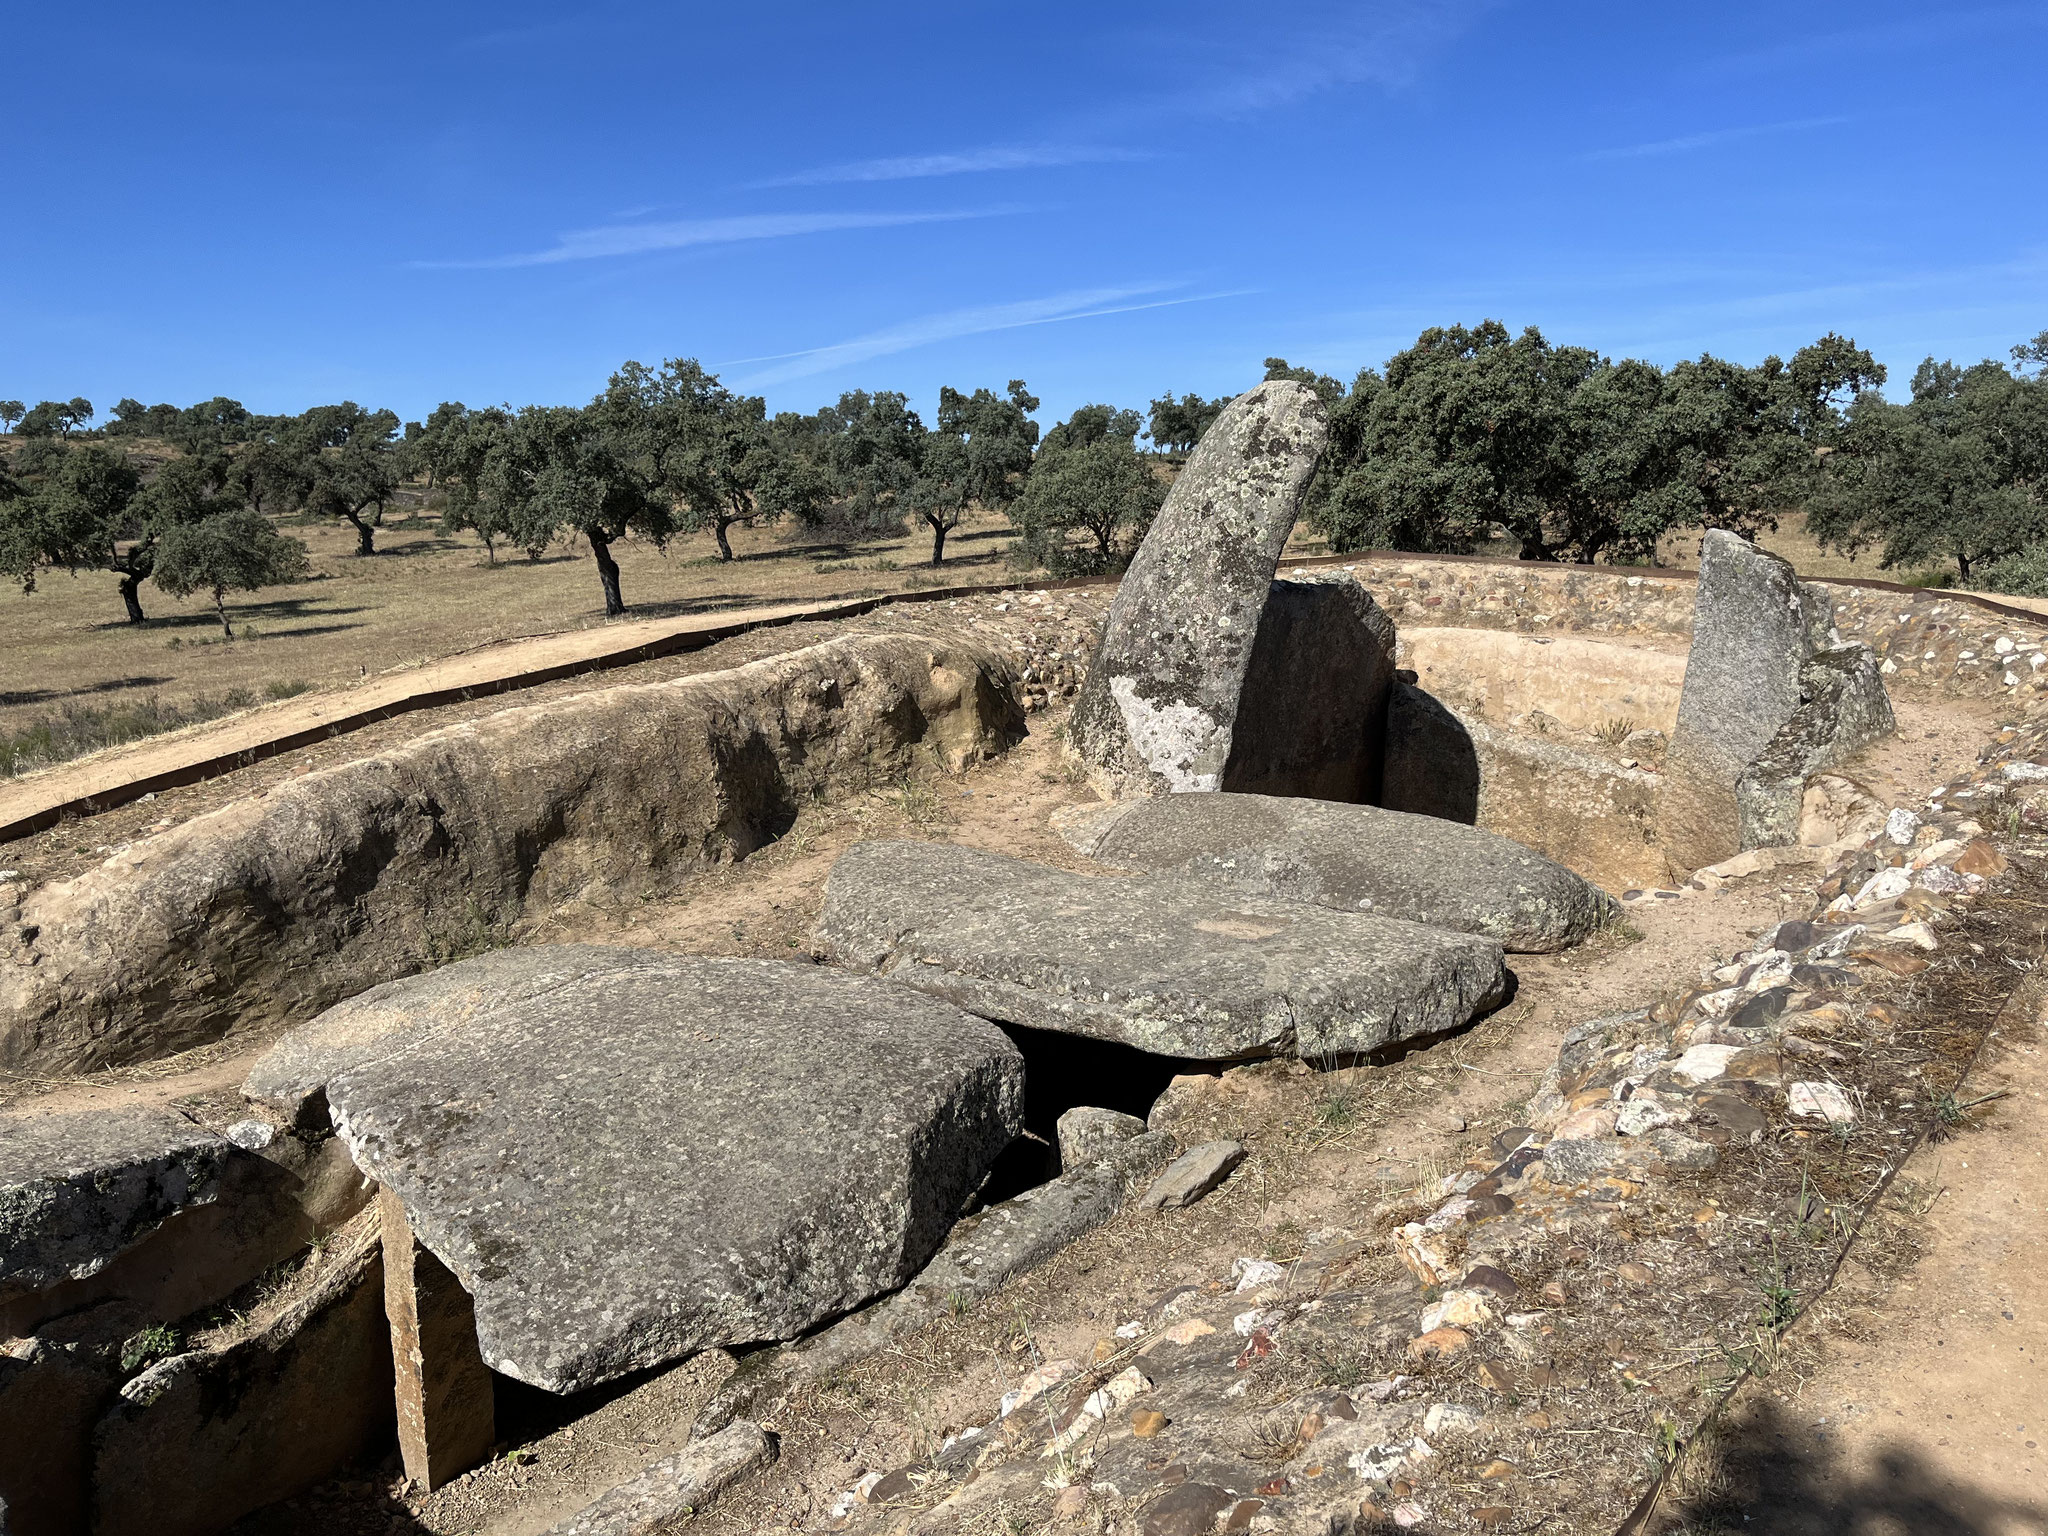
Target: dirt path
column 121, row 773
column 1926, row 1416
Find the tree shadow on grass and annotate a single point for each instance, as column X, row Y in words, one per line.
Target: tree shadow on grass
column 109, row 685
column 1780, row 1478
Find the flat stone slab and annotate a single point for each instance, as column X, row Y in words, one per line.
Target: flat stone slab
column 1159, row 707
column 627, row 1157
column 1312, row 716
column 1353, row 858
column 1173, row 964
column 80, row 1188
column 1192, row 1175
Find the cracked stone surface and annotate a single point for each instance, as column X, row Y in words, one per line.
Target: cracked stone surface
column 1353, row 858
column 627, row 1157
column 1172, row 964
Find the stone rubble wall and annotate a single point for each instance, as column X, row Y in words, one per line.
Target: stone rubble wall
column 1934, row 639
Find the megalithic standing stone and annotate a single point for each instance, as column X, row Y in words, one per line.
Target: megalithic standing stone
column 1771, row 696
column 1157, row 711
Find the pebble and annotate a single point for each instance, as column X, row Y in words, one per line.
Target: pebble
column 1822, row 1101
column 1486, row 1277
column 1457, row 1309
column 1253, row 1273
column 1447, row 1419
column 1439, row 1343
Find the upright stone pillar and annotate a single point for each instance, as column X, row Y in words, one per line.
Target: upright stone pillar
column 1158, row 710
column 446, row 1421
column 1771, row 697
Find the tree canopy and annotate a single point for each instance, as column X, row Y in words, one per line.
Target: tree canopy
column 54, row 418
column 238, row 550
column 1955, row 473
column 1091, row 480
column 554, row 473
column 91, row 508
column 1176, row 426
column 1577, row 457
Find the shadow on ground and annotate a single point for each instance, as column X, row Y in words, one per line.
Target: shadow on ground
column 1776, row 1477
column 109, row 685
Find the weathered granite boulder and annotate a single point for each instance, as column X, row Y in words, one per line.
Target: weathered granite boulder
column 1771, row 697
column 1312, row 716
column 1192, row 1175
column 1173, row 964
column 1354, row 858
column 78, row 1189
column 626, row 1157
column 1086, row 1134
column 1159, row 706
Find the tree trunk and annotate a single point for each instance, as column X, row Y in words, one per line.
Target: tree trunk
column 608, row 572
column 366, row 541
column 220, row 607
column 718, row 528
column 490, row 549
column 129, row 597
column 1963, row 565
column 938, row 541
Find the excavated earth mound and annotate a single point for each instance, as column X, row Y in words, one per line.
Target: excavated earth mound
column 268, row 910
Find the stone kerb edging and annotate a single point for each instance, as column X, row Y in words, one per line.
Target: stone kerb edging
column 1398, row 593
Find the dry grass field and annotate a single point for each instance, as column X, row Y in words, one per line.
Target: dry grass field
column 76, row 677
column 426, row 594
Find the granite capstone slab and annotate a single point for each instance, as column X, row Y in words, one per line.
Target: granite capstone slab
column 1172, row 964
column 1353, row 858
column 628, row 1163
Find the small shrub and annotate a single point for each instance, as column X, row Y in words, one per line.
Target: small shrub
column 1616, row 730
column 157, row 1342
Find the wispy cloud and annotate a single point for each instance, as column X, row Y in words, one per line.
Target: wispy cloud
column 637, row 239
column 1080, row 304
column 1933, row 27
column 995, row 157
column 1330, row 44
column 1708, row 140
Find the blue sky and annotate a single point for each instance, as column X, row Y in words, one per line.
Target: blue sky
column 404, row 204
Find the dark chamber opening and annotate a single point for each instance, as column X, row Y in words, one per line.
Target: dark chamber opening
column 1060, row 1072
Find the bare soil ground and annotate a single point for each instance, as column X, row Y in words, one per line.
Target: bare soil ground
column 1923, row 1405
